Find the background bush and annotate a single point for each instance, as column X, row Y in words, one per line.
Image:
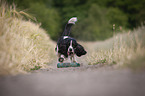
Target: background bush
column 48, row 17
column 95, row 17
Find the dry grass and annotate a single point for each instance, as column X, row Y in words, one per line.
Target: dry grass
column 24, row 46
column 126, row 49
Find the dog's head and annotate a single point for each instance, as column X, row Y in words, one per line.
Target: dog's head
column 71, row 48
column 75, row 48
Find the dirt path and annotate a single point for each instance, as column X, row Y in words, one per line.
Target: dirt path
column 82, row 81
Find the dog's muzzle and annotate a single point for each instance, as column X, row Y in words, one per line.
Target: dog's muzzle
column 70, row 52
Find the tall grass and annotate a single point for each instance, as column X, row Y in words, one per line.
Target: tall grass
column 23, row 44
column 122, row 50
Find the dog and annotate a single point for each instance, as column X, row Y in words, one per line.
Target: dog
column 67, row 47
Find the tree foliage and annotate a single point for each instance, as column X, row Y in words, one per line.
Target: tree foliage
column 48, row 17
column 95, row 17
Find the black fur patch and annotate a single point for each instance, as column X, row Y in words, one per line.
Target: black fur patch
column 79, row 50
column 63, row 45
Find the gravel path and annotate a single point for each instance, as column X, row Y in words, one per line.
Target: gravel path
column 81, row 81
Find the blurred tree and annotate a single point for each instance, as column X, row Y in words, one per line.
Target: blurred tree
column 49, row 18
column 134, row 9
column 95, row 26
column 117, row 17
column 95, row 17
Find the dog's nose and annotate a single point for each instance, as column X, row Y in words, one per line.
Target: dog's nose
column 70, row 49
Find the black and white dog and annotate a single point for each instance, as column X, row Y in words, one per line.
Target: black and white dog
column 67, row 47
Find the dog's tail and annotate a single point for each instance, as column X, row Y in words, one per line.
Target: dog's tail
column 68, row 26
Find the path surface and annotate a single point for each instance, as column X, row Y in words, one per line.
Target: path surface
column 83, row 81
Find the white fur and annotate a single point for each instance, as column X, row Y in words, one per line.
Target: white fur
column 72, row 56
column 65, row 37
column 70, row 47
column 72, row 20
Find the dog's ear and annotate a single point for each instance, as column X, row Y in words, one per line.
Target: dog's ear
column 79, row 50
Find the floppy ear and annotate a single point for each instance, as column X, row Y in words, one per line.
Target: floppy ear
column 79, row 50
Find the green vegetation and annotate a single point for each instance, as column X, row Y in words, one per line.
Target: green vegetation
column 96, row 17
column 36, row 67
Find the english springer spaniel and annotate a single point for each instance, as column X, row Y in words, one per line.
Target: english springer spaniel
column 67, row 47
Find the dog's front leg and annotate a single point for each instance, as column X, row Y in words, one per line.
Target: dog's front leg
column 61, row 58
column 72, row 58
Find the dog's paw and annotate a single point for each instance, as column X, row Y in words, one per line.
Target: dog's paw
column 61, row 60
column 72, row 20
